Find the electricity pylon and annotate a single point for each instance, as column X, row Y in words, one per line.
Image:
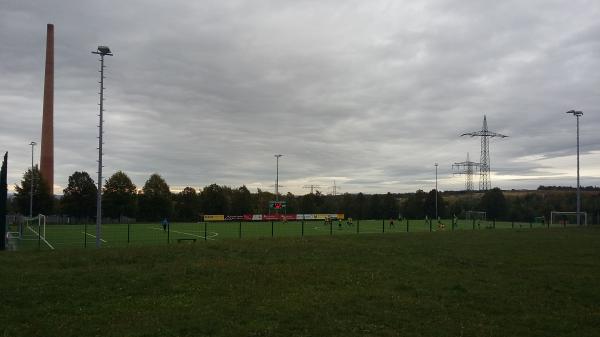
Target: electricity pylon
column 466, row 168
column 484, row 162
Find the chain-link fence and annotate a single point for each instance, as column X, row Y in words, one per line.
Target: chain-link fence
column 36, row 235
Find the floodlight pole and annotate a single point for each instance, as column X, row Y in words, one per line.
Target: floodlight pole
column 436, row 192
column 31, row 187
column 102, row 51
column 577, row 114
column 277, row 178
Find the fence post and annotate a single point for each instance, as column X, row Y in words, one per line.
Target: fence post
column 357, row 226
column 383, row 225
column 302, row 227
column 473, row 224
column 39, row 235
column 240, row 231
column 168, row 233
column 407, row 221
column 330, row 227
column 205, row 233
column 272, row 229
column 512, row 224
column 128, row 224
column 494, row 223
column 85, row 234
column 430, row 225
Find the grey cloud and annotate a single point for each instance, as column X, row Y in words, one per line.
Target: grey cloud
column 373, row 92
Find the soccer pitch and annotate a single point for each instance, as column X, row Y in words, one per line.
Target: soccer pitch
column 139, row 234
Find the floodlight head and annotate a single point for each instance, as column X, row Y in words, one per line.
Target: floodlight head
column 575, row 113
column 103, row 50
column 33, row 143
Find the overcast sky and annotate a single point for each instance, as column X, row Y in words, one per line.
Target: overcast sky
column 367, row 93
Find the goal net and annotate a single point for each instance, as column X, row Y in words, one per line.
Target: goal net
column 567, row 218
column 475, row 215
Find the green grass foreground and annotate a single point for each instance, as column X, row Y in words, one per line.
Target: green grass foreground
column 465, row 283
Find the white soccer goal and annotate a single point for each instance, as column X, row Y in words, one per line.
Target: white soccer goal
column 34, row 228
column 567, row 218
column 475, row 215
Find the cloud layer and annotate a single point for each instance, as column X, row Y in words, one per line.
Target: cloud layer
column 370, row 94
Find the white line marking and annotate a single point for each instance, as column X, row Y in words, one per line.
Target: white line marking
column 94, row 236
column 208, row 237
column 43, row 238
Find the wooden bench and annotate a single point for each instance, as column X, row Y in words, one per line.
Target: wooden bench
column 186, row 239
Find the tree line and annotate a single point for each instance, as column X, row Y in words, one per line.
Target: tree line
column 155, row 200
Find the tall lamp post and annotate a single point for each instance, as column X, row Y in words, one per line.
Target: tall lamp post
column 33, row 144
column 277, row 178
column 102, row 51
column 577, row 114
column 436, row 192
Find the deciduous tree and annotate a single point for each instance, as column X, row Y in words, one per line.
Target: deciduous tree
column 494, row 203
column 43, row 200
column 119, row 196
column 79, row 197
column 155, row 201
column 187, row 205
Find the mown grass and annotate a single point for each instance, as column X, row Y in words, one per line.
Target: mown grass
column 462, row 283
column 60, row 236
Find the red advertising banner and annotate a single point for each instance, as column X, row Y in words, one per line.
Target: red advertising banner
column 278, row 217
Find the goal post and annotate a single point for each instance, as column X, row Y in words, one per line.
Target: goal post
column 567, row 218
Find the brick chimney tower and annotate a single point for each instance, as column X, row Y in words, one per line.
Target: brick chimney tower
column 47, row 150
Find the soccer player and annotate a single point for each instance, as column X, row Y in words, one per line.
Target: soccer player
column 391, row 223
column 165, row 224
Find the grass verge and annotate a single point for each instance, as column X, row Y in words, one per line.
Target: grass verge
column 466, row 283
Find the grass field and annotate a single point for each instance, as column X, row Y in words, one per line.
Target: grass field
column 119, row 235
column 467, row 283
